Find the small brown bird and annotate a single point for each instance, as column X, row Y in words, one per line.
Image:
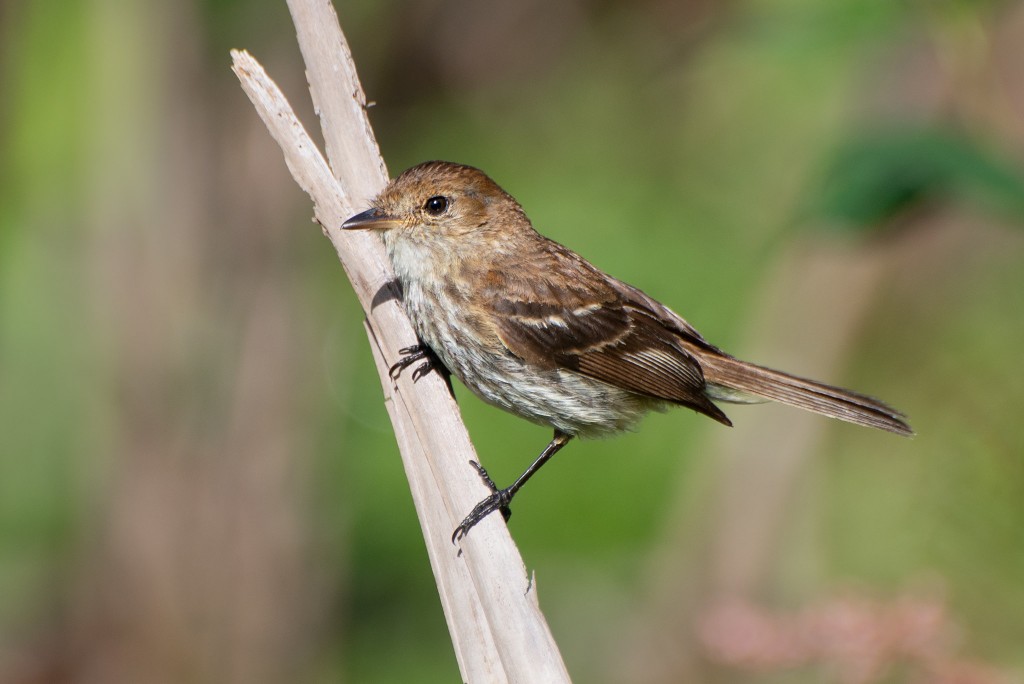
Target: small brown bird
column 532, row 327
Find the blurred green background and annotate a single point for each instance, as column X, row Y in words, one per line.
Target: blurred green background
column 198, row 482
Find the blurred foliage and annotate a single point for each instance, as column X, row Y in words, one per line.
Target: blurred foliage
column 197, row 475
column 878, row 175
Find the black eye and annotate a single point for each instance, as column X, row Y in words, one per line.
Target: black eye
column 436, row 205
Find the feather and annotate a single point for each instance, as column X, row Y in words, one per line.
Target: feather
column 589, row 327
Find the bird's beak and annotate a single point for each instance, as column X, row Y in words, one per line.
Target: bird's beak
column 371, row 219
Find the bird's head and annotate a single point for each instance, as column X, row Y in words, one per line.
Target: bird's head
column 438, row 200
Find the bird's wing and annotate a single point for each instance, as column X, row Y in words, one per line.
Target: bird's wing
column 564, row 313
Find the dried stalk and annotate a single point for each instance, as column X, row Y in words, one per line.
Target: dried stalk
column 490, row 603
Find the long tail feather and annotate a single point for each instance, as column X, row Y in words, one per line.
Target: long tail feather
column 835, row 402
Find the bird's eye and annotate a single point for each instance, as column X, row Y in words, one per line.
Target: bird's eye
column 436, row 205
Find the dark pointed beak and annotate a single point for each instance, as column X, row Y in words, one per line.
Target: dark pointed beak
column 371, row 219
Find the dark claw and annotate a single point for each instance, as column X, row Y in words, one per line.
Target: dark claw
column 419, row 352
column 411, row 355
column 497, row 501
column 422, row 370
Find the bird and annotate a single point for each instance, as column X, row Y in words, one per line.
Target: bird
column 533, row 328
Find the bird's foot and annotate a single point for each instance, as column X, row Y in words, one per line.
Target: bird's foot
column 410, row 355
column 497, row 501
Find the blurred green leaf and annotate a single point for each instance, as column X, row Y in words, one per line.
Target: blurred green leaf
column 876, row 176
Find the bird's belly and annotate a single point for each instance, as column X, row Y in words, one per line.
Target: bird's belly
column 569, row 402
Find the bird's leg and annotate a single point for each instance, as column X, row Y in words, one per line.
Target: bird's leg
column 419, row 352
column 500, row 499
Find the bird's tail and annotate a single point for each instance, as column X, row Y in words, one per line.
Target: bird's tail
column 725, row 372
